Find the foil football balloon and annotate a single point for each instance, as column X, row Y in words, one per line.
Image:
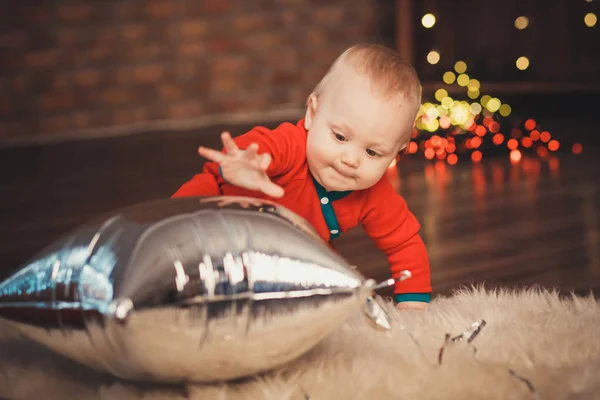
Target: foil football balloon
column 194, row 289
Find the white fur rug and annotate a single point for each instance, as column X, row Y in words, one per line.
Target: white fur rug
column 551, row 345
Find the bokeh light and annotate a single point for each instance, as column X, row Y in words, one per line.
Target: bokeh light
column 462, row 80
column 461, row 126
column 515, row 156
column 433, row 57
column 449, row 77
column 521, row 22
column 590, row 20
column 522, row 63
column 505, row 110
column 460, row 67
column 428, row 20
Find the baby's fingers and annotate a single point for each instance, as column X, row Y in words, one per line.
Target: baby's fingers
column 228, row 143
column 212, row 155
column 271, row 189
column 264, row 161
column 251, row 151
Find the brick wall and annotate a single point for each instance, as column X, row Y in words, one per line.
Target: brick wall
column 76, row 65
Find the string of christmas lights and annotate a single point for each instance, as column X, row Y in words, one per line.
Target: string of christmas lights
column 467, row 127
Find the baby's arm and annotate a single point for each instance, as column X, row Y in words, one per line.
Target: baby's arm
column 395, row 230
column 257, row 155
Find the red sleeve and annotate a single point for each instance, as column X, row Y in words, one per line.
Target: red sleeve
column 395, row 230
column 284, row 143
column 204, row 184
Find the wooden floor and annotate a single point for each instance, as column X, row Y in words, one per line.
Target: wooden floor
column 493, row 223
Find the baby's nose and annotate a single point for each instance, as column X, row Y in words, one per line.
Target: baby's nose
column 351, row 159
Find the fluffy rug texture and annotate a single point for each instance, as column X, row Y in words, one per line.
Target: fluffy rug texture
column 534, row 344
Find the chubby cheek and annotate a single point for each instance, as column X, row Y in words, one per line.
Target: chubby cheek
column 372, row 172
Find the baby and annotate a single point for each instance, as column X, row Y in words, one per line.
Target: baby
column 329, row 167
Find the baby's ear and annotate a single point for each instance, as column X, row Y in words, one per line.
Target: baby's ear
column 311, row 109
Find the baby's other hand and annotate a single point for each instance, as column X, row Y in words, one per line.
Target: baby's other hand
column 243, row 168
column 412, row 305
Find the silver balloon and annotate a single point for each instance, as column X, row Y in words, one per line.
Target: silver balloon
column 194, row 289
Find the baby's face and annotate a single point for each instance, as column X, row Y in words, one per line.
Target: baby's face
column 353, row 134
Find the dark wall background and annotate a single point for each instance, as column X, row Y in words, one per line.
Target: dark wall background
column 71, row 65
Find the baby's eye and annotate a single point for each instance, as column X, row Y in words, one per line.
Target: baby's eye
column 372, row 153
column 339, row 137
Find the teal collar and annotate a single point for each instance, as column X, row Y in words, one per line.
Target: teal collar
column 333, row 195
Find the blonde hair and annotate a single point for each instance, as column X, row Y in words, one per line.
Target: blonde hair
column 388, row 73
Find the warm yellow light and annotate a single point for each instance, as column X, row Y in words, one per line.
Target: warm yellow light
column 463, row 80
column 522, row 63
column 433, row 57
column 493, row 105
column 473, row 94
column 521, row 22
column 590, row 19
column 505, row 110
column 460, row 67
column 428, row 20
column 449, row 77
column 440, row 94
column 484, row 99
column 447, row 102
column 475, row 108
column 474, row 84
column 442, row 111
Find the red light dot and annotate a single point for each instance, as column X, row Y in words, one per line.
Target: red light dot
column 494, row 127
column 530, row 124
column 516, row 133
column 429, row 153
column 512, row 144
column 577, row 148
column 413, row 147
column 480, row 130
column 534, row 135
column 515, row 156
column 475, row 142
column 428, row 144
column 452, row 159
column 451, row 148
column 498, row 139
column 476, row 156
column 542, row 151
column 487, row 121
column 545, row 137
column 526, row 142
column 553, row 145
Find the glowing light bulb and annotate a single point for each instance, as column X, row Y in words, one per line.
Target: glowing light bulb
column 590, row 20
column 428, row 20
column 433, row 57
column 460, row 67
column 449, row 77
column 462, row 80
column 522, row 63
column 441, row 94
column 521, row 22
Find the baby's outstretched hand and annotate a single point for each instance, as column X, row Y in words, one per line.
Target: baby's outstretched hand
column 243, row 168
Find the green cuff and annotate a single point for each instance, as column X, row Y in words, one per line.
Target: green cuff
column 221, row 172
column 422, row 297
